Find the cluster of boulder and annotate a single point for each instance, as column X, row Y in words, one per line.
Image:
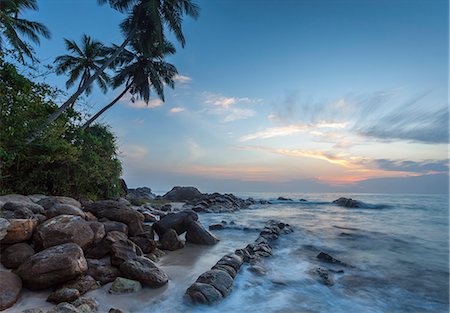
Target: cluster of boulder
column 347, row 202
column 58, row 243
column 216, row 284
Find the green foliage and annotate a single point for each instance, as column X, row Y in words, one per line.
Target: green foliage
column 65, row 160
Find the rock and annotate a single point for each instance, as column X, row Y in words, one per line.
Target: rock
column 34, row 310
column 65, row 307
column 197, row 234
column 15, row 198
column 166, row 207
column 83, row 284
column 227, row 268
column 177, row 221
column 203, row 293
column 10, row 287
column 4, row 224
column 18, row 213
column 122, row 249
column 325, row 257
column 86, row 305
column 53, row 266
column 141, row 193
column 63, row 295
column 124, row 285
column 257, row 269
column 16, row 254
column 145, row 271
column 48, row 202
column 303, row 200
column 220, row 280
column 217, row 203
column 216, row 226
column 182, row 194
column 37, row 197
column 113, row 310
column 145, row 241
column 115, row 211
column 19, row 230
column 124, row 201
column 33, row 207
column 149, row 217
column 99, row 231
column 64, row 209
column 347, row 202
column 324, row 276
column 102, row 271
column 233, row 260
column 90, row 217
column 115, row 226
column 63, row 229
column 98, row 250
column 170, row 241
column 284, row 199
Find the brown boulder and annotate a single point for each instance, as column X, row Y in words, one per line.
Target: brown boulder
column 10, row 286
column 16, row 254
column 122, row 249
column 145, row 271
column 19, row 230
column 48, row 202
column 53, row 266
column 64, row 209
column 99, row 231
column 102, row 271
column 115, row 226
column 179, row 222
column 145, row 241
column 196, row 233
column 170, row 241
column 63, row 295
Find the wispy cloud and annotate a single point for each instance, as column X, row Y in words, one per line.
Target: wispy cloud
column 140, row 104
column 175, row 110
column 133, row 153
column 231, row 108
column 226, row 102
column 182, row 78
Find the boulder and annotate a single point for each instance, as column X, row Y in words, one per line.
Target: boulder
column 145, row 241
column 115, row 226
column 15, row 205
column 63, row 229
column 53, row 266
column 284, row 199
column 16, row 254
column 216, row 226
column 122, row 249
column 114, row 310
column 102, row 271
column 34, row 310
column 170, row 241
column 4, row 224
column 90, row 217
column 145, row 271
column 19, row 230
column 99, row 231
column 10, row 287
column 86, row 305
column 177, row 221
column 115, row 211
column 220, row 280
column 216, row 203
column 64, row 209
column 36, row 197
column 83, row 284
column 124, row 285
column 347, row 203
column 15, row 198
column 197, row 234
column 98, row 250
column 183, row 194
column 325, row 257
column 19, row 213
column 63, row 295
column 323, row 275
column 203, row 293
column 141, row 193
column 48, row 202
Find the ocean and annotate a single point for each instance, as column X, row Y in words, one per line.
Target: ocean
column 396, row 246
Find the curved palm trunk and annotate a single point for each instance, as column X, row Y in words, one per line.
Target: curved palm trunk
column 74, row 97
column 92, row 119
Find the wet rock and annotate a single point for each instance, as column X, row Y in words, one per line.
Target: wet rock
column 145, row 241
column 63, row 229
column 216, row 227
column 124, row 285
column 257, row 269
column 179, row 222
column 53, row 266
column 197, row 234
column 64, row 209
column 203, row 293
column 34, row 310
column 115, row 226
column 233, row 260
column 48, row 202
column 303, row 200
column 19, row 230
column 86, row 305
column 216, row 203
column 10, row 287
column 325, row 257
column 101, row 271
column 16, row 254
column 4, row 224
column 65, row 307
column 220, row 280
column 122, row 248
column 145, row 271
column 83, row 284
column 63, row 295
column 113, row 310
column 227, row 268
column 324, row 276
column 170, row 241
column 115, row 211
column 182, row 194
column 284, row 199
column 347, row 203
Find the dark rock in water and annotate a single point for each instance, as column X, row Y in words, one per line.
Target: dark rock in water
column 64, row 209
column 197, row 234
column 284, row 199
column 325, row 257
column 258, row 269
column 233, row 260
column 115, row 211
column 216, row 226
column 19, row 230
column 63, row 229
column 16, row 254
column 113, row 310
column 145, row 241
column 48, row 202
column 324, row 276
column 203, row 293
column 124, row 285
column 347, row 202
column 170, row 241
column 303, row 200
column 115, row 226
column 122, row 249
column 145, row 271
column 179, row 222
column 141, row 193
column 53, row 266
column 183, row 194
column 217, row 203
column 63, row 295
column 220, row 280
column 227, row 268
column 102, row 271
column 10, row 287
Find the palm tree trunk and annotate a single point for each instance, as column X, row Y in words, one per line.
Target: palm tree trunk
column 92, row 119
column 74, row 97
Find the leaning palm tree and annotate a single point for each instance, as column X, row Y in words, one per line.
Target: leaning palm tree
column 82, row 62
column 145, row 18
column 12, row 27
column 140, row 73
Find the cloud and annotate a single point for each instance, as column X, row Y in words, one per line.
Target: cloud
column 235, row 114
column 229, row 107
column 182, row 78
column 141, row 104
column 226, row 102
column 175, row 110
column 133, row 153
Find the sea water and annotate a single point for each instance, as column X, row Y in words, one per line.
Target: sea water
column 396, row 246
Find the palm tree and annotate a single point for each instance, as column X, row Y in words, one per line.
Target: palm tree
column 82, row 61
column 140, row 72
column 146, row 18
column 11, row 26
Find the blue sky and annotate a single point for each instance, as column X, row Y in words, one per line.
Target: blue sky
column 306, row 96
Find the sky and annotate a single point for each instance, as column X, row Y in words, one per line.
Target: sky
column 283, row 96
